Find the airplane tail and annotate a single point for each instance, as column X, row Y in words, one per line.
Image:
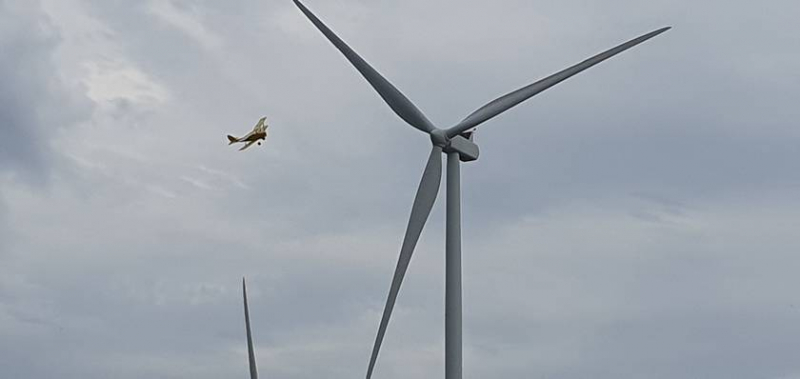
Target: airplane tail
column 232, row 139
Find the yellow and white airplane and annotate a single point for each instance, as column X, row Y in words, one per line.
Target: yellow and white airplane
column 258, row 133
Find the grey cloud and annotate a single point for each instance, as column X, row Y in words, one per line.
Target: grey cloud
column 610, row 223
column 33, row 100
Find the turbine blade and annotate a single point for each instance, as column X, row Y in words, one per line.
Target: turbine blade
column 423, row 202
column 503, row 103
column 400, row 104
column 251, row 356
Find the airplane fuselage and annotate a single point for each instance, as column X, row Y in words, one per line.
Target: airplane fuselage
column 255, row 137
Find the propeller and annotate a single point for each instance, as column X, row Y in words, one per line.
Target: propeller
column 251, row 356
column 423, row 202
column 506, row 102
column 431, row 177
column 399, row 103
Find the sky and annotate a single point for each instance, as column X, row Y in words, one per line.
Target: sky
column 638, row 220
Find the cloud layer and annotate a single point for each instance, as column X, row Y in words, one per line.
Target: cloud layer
column 635, row 221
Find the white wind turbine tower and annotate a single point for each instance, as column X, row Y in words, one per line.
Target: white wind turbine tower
column 251, row 355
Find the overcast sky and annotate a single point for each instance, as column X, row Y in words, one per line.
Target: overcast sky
column 639, row 220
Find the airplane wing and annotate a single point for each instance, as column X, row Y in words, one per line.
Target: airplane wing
column 246, row 136
column 260, row 125
column 247, row 145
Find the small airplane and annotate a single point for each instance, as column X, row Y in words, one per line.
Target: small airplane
column 258, row 133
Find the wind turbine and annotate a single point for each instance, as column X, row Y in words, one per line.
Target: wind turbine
column 251, row 356
column 457, row 143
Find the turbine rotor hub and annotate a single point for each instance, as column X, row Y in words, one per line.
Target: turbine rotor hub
column 439, row 138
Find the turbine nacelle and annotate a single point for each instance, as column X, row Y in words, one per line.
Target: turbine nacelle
column 462, row 144
column 466, row 149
